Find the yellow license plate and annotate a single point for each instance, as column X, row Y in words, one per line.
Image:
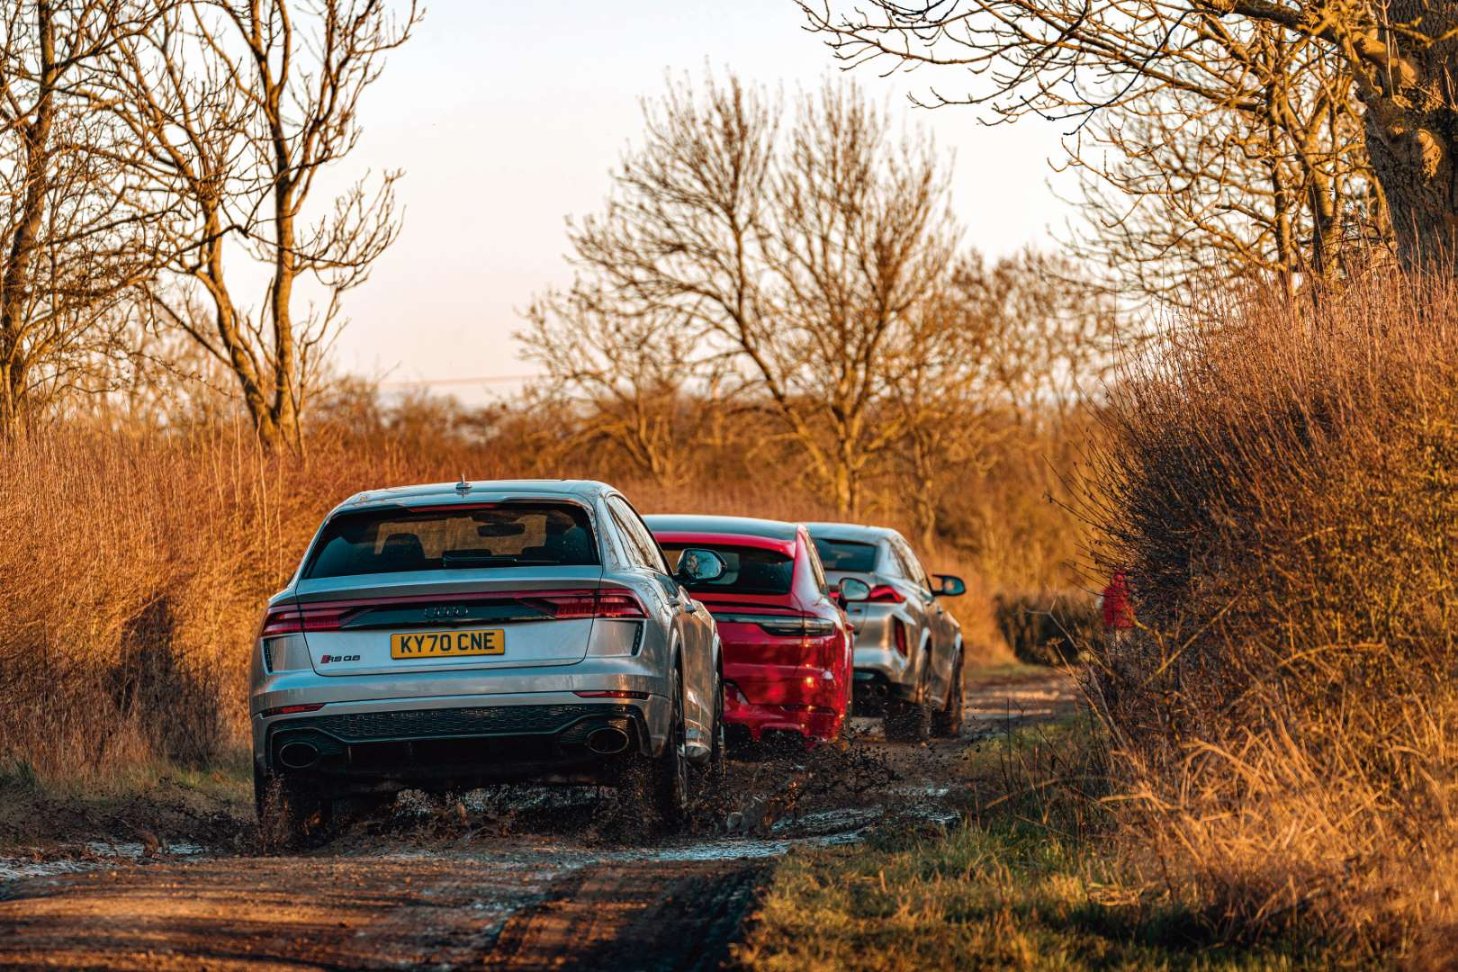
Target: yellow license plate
column 448, row 644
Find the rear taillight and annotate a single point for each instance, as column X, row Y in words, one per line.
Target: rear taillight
column 568, row 605
column 785, row 625
column 804, row 627
column 884, row 594
column 899, row 631
column 314, row 617
column 616, row 605
column 599, row 604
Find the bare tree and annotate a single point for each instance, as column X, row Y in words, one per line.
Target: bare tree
column 800, row 255
column 1066, row 58
column 938, row 395
column 240, row 105
column 637, row 377
column 1271, row 182
column 72, row 242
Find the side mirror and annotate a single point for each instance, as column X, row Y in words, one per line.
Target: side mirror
column 949, row 585
column 854, row 589
column 699, row 566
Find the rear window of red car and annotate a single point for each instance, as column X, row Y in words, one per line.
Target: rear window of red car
column 747, row 570
column 464, row 538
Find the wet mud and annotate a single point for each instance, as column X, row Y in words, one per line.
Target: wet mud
column 505, row 877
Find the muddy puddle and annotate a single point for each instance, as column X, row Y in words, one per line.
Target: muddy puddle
column 761, row 808
column 512, row 877
column 92, row 855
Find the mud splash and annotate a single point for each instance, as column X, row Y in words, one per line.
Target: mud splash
column 90, row 856
column 516, row 877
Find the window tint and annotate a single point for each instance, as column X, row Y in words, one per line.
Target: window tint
column 847, row 555
column 817, row 570
column 747, row 570
column 636, row 533
column 895, row 563
column 914, row 569
column 624, row 538
column 631, row 548
column 465, row 538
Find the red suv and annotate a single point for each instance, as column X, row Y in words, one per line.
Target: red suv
column 787, row 646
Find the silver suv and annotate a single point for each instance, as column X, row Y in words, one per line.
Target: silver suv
column 909, row 656
column 451, row 635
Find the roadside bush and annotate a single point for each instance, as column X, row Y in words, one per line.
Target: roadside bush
column 1049, row 627
column 135, row 564
column 1282, row 487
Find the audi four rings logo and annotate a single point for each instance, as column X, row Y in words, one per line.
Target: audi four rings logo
column 337, row 658
column 435, row 613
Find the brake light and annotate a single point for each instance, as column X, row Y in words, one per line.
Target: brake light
column 619, row 605
column 804, row 627
column 884, row 594
column 286, row 621
column 319, row 617
column 900, row 633
column 786, row 625
column 568, row 605
column 594, row 604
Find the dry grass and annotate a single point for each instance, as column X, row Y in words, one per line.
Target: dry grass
column 1283, row 489
column 1023, row 884
column 136, row 564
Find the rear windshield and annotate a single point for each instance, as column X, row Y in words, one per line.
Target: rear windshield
column 747, row 570
column 846, row 555
column 466, row 538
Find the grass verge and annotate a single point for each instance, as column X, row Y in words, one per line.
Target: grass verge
column 1025, row 882
column 211, row 806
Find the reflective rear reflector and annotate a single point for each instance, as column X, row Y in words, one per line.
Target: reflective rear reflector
column 291, row 709
column 610, row 694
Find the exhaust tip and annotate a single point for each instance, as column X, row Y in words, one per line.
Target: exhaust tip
column 607, row 741
column 298, row 755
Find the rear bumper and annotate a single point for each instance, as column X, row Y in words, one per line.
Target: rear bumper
column 785, row 698
column 456, row 740
column 887, row 664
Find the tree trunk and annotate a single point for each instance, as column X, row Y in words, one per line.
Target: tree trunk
column 285, row 377
column 12, row 417
column 16, row 283
column 1412, row 136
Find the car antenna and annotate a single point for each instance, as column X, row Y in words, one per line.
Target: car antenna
column 463, row 487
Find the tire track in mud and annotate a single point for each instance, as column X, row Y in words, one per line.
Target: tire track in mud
column 647, row 916
column 519, row 886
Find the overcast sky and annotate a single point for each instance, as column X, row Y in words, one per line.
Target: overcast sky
column 507, row 118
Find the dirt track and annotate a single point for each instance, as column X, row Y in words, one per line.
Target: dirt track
column 520, row 879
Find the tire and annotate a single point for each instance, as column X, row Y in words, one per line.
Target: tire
column 669, row 775
column 710, row 775
column 947, row 724
column 720, row 744
column 907, row 721
column 290, row 810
